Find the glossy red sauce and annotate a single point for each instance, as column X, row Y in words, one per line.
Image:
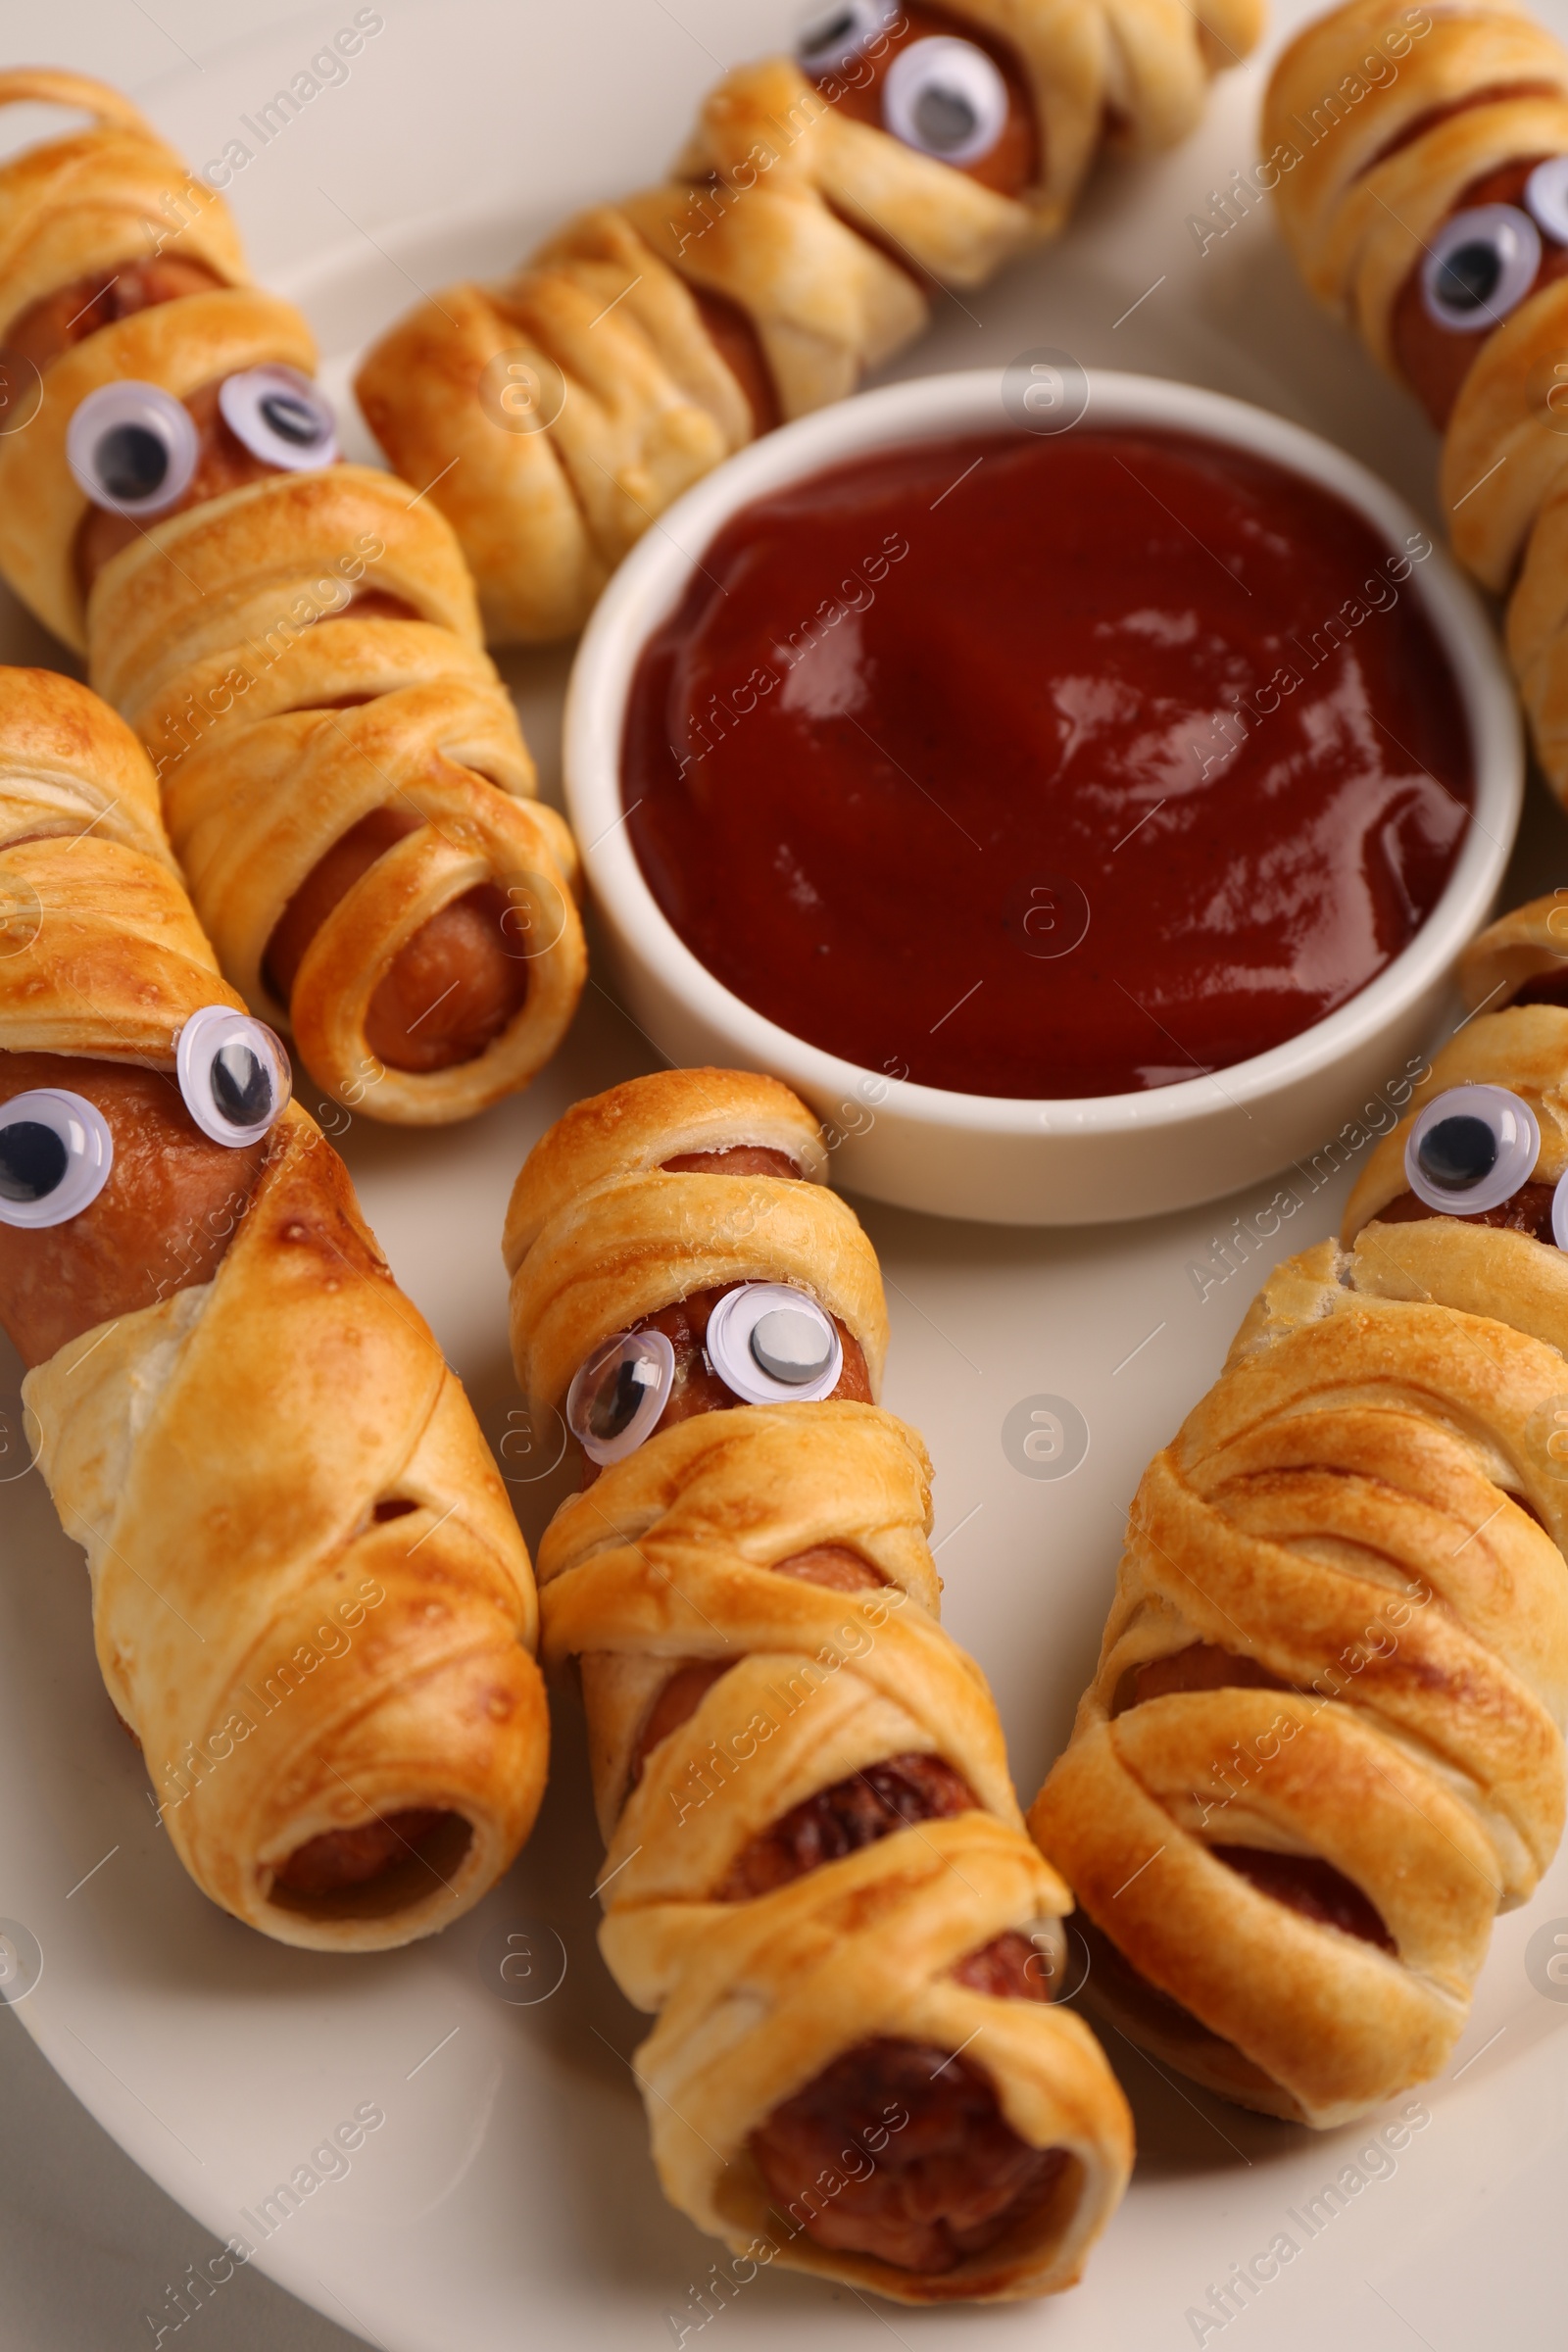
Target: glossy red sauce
column 915, row 728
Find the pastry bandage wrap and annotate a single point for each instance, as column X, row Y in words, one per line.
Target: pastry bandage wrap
column 1374, row 180
column 598, row 1234
column 290, row 1665
column 556, row 414
column 225, row 633
column 1370, row 1505
column 670, row 1557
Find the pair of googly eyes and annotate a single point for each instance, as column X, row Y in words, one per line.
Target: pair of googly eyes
column 1471, row 1149
column 942, row 97
column 1482, row 264
column 133, row 447
column 57, row 1148
column 768, row 1344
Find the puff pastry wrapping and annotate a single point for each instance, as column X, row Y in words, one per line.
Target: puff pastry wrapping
column 557, row 413
column 1360, row 1530
column 1380, row 165
column 279, row 714
column 293, row 1663
column 670, row 1558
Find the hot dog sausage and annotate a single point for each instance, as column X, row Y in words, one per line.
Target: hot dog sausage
column 160, row 1224
column 343, row 1858
column 1304, row 1883
column 1009, row 165
column 740, row 347
column 1201, row 1666
column 224, row 464
column 957, row 2175
column 1433, row 360
column 697, row 1387
column 962, row 2176
column 832, row 1565
column 446, row 995
column 840, row 1820
column 948, row 2176
column 38, row 334
column 453, row 989
column 1528, row 1210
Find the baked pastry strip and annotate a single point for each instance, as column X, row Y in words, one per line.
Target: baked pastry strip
column 1423, row 190
column 1324, row 1744
column 295, row 639
column 816, row 1871
column 799, row 242
column 312, row 1605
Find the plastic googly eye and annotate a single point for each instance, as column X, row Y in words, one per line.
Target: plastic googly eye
column 1547, row 197
column 56, row 1152
column 132, row 448
column 944, row 98
column 617, row 1397
column 233, row 1074
column 281, row 418
column 1479, row 267
column 1559, row 1214
column 839, row 33
column 773, row 1346
column 1471, row 1149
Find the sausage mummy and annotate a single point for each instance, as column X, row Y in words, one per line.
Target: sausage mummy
column 816, row 1873
column 295, row 639
column 1425, row 198
column 310, row 1601
column 820, row 203
column 1324, row 1745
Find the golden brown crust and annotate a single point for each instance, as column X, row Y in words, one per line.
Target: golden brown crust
column 104, row 955
column 293, row 1662
column 1134, row 77
column 1391, row 116
column 1501, row 428
column 668, row 1565
column 1350, row 96
column 113, row 192
column 176, row 345
column 279, row 718
column 633, row 1130
column 1363, row 1505
column 670, row 1554
column 277, row 774
column 556, row 414
column 613, row 1238
column 1522, row 1048
column 1528, row 942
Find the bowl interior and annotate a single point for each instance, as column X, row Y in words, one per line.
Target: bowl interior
column 654, row 578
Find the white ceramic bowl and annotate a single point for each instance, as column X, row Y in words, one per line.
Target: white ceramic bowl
column 1005, row 1160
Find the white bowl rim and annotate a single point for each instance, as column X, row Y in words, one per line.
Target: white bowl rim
column 651, row 580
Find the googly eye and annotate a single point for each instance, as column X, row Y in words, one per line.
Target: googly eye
column 233, row 1074
column 1480, row 266
column 132, row 448
column 1559, row 1214
column 615, row 1401
column 56, row 1151
column 944, row 98
column 1546, row 198
column 773, row 1346
column 1471, row 1149
column 832, row 38
column 281, row 417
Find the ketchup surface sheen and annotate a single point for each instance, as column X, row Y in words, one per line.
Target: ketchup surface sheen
column 1048, row 766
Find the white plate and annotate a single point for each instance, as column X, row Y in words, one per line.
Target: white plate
column 508, row 2196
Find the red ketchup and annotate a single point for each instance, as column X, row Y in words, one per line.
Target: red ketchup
column 1048, row 766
